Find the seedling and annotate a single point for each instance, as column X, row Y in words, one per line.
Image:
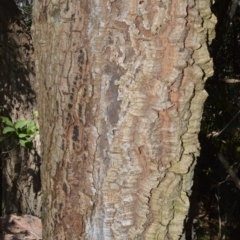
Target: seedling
column 22, row 130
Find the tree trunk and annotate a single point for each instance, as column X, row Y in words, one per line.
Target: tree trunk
column 21, row 184
column 121, row 93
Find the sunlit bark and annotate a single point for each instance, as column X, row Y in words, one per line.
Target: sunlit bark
column 121, row 96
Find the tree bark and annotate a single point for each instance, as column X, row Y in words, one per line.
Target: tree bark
column 20, row 167
column 121, row 93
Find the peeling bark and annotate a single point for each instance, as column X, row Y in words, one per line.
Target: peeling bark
column 121, row 93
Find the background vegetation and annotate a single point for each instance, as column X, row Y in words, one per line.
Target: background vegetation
column 217, row 196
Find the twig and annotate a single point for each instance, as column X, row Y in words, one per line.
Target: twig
column 232, row 174
column 9, row 150
column 219, row 218
column 230, row 80
column 216, row 134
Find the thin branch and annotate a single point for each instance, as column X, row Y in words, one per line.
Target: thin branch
column 9, row 150
column 232, row 174
column 216, row 134
column 219, row 217
column 230, row 80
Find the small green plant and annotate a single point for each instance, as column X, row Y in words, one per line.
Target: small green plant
column 23, row 130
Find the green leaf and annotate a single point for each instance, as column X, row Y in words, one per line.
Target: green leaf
column 8, row 129
column 31, row 126
column 35, row 133
column 23, row 142
column 7, row 121
column 23, row 135
column 26, row 143
column 21, row 123
column 35, row 113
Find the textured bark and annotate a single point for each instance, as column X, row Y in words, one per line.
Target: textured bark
column 21, row 184
column 21, row 227
column 121, row 94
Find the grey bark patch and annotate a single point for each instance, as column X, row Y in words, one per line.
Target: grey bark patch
column 115, row 71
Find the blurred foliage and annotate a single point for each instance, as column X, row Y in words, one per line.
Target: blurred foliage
column 27, row 13
column 218, row 197
column 25, row 6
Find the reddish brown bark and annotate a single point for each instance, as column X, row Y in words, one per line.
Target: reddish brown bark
column 121, row 91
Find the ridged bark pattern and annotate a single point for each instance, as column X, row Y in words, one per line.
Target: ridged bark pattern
column 122, row 93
